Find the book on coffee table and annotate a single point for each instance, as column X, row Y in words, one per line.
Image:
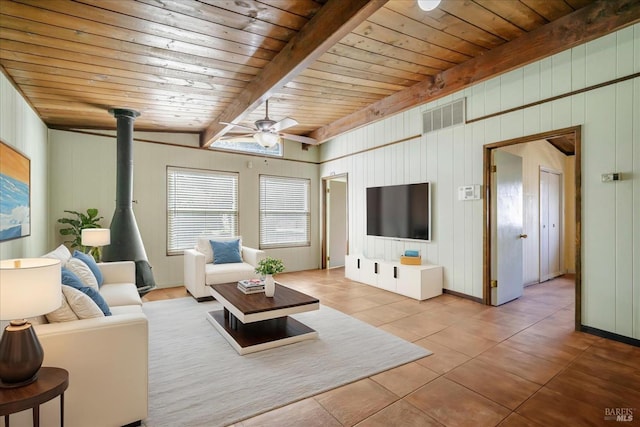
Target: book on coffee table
column 251, row 286
column 251, row 283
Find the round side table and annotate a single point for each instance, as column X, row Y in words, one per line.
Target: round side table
column 51, row 382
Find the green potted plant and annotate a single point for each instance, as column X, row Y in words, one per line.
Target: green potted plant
column 75, row 226
column 267, row 267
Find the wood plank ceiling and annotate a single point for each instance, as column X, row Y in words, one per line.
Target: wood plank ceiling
column 332, row 65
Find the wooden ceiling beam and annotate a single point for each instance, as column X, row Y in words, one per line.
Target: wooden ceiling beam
column 585, row 24
column 334, row 20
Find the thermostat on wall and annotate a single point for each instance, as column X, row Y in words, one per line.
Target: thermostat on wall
column 469, row 192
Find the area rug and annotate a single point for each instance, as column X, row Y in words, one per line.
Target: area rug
column 197, row 379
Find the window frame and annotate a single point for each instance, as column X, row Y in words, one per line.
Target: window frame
column 262, row 151
column 171, row 251
column 291, row 244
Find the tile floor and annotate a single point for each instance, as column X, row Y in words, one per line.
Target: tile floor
column 521, row 364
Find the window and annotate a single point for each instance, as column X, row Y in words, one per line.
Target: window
column 248, row 145
column 199, row 202
column 284, row 212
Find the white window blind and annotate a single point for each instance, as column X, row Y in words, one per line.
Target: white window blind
column 199, row 202
column 284, row 212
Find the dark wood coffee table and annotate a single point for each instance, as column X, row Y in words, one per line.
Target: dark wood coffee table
column 254, row 322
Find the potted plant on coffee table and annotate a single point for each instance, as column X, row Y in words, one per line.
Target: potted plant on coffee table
column 267, row 267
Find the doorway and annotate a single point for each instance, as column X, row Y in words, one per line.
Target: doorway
column 567, row 141
column 335, row 234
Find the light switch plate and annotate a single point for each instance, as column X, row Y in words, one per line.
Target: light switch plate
column 610, row 177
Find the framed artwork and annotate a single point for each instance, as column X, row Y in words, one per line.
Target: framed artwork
column 15, row 193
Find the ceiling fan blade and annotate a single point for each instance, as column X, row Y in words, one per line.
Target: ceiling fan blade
column 285, row 123
column 239, row 125
column 300, row 138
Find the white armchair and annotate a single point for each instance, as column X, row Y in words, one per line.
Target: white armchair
column 200, row 271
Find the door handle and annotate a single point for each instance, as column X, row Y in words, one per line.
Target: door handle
column 523, row 236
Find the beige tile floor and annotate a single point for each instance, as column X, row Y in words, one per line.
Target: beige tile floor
column 521, row 364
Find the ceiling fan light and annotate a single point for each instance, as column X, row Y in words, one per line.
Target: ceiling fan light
column 428, row 5
column 266, row 139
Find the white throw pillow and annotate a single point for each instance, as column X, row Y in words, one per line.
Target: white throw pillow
column 203, row 245
column 61, row 253
column 81, row 304
column 62, row 314
column 84, row 273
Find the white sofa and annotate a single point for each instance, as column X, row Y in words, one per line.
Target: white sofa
column 107, row 359
column 200, row 272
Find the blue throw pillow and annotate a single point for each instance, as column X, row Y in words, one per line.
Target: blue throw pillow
column 226, row 252
column 70, row 279
column 91, row 263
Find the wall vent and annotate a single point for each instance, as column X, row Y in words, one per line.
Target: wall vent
column 444, row 116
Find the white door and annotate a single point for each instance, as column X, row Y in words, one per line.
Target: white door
column 555, row 195
column 337, row 223
column 506, row 227
column 550, row 225
column 544, row 226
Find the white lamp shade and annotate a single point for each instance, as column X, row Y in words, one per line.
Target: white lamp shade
column 266, row 139
column 96, row 236
column 29, row 287
column 428, row 5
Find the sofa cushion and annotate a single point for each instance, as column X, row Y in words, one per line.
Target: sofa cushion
column 70, row 279
column 80, row 305
column 226, row 252
column 203, row 245
column 64, row 313
column 61, row 253
column 83, row 306
column 119, row 294
column 225, row 273
column 84, row 273
column 91, row 263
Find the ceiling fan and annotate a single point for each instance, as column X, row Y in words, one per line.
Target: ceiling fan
column 268, row 133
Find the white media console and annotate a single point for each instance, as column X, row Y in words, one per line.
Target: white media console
column 416, row 281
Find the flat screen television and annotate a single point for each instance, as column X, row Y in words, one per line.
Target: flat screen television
column 399, row 211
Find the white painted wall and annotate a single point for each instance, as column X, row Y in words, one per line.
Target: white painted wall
column 21, row 128
column 83, row 175
column 610, row 119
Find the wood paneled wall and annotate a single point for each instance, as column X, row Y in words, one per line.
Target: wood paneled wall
column 610, row 116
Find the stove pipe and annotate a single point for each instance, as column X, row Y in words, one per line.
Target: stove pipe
column 126, row 242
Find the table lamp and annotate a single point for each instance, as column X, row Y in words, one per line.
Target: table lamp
column 96, row 238
column 28, row 287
